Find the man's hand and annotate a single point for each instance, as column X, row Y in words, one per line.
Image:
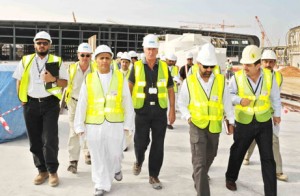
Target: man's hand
column 245, row 102
column 276, row 120
column 47, row 77
column 230, row 129
column 172, row 116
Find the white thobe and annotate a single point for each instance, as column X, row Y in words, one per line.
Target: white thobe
column 104, row 141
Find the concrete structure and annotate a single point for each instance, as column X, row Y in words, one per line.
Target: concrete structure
column 293, row 45
column 16, row 37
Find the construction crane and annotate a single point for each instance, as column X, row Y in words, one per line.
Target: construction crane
column 74, row 18
column 201, row 25
column 263, row 34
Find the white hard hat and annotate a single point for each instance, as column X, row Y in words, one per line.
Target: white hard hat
column 143, row 57
column 189, row 55
column 125, row 56
column 162, row 57
column 207, row 55
column 42, row 35
column 250, row 54
column 269, row 54
column 103, row 49
column 132, row 54
column 85, row 47
column 119, row 54
column 171, row 57
column 150, row 41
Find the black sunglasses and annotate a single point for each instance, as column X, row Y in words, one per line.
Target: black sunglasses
column 85, row 55
column 207, row 66
column 42, row 43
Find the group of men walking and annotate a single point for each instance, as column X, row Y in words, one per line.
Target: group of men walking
column 106, row 100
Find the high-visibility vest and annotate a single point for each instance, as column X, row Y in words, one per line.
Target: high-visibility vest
column 138, row 94
column 216, row 70
column 174, row 73
column 72, row 72
column 24, row 83
column 206, row 110
column 278, row 78
column 261, row 106
column 100, row 106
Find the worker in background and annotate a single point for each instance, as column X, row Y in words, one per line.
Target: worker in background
column 40, row 93
column 134, row 58
column 77, row 73
column 229, row 71
column 185, row 68
column 269, row 62
column 174, row 69
column 254, row 92
column 151, row 85
column 125, row 63
column 104, row 110
column 203, row 99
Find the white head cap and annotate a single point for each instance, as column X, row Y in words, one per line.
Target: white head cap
column 119, row 54
column 269, row 54
column 250, row 54
column 125, row 56
column 132, row 54
column 171, row 57
column 151, row 41
column 84, row 47
column 162, row 57
column 207, row 55
column 189, row 55
column 103, row 49
column 42, row 35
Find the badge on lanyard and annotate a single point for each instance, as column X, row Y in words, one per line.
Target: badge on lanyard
column 152, row 90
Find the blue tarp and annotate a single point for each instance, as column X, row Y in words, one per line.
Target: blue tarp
column 8, row 101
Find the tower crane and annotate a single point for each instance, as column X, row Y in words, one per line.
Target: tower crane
column 74, row 18
column 263, row 34
column 201, row 25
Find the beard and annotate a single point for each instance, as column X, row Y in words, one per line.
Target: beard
column 42, row 53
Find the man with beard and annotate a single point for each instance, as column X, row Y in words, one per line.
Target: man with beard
column 40, row 92
column 185, row 69
column 202, row 101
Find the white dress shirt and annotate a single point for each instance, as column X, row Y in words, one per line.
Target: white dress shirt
column 184, row 98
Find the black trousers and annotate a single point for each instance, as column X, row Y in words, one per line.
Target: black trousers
column 41, row 118
column 243, row 136
column 154, row 119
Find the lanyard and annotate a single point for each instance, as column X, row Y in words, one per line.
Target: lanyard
column 254, row 91
column 38, row 67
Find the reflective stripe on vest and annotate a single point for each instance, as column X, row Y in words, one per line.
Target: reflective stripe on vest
column 24, row 83
column 174, row 73
column 206, row 111
column 72, row 72
column 138, row 94
column 278, row 78
column 100, row 107
column 260, row 107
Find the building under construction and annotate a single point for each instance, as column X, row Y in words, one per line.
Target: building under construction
column 16, row 37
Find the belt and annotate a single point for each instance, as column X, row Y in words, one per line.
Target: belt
column 42, row 99
column 74, row 99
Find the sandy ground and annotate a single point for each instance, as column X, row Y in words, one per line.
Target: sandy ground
column 291, row 85
column 18, row 171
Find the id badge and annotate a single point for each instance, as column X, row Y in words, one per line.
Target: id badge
column 152, row 90
column 38, row 81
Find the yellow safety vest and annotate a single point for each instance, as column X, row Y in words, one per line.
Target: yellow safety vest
column 206, row 110
column 216, row 70
column 138, row 94
column 72, row 72
column 278, row 78
column 174, row 73
column 24, row 83
column 261, row 106
column 100, row 106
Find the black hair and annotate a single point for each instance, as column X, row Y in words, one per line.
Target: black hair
column 257, row 62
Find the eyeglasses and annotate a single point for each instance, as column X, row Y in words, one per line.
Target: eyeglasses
column 85, row 55
column 42, row 43
column 206, row 66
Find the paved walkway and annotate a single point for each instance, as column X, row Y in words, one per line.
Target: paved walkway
column 17, row 170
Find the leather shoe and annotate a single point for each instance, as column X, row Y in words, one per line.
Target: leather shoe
column 73, row 167
column 88, row 159
column 231, row 185
column 53, row 180
column 137, row 168
column 170, row 127
column 40, row 178
column 154, row 181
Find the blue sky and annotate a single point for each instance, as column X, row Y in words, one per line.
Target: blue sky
column 277, row 17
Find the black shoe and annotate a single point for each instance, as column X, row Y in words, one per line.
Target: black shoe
column 231, row 185
column 170, row 127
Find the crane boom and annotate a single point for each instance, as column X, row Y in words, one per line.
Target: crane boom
column 263, row 33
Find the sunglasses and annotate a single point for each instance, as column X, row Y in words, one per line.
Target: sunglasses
column 206, row 66
column 85, row 55
column 42, row 43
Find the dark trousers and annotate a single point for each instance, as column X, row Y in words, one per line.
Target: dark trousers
column 154, row 119
column 41, row 120
column 243, row 136
column 204, row 147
